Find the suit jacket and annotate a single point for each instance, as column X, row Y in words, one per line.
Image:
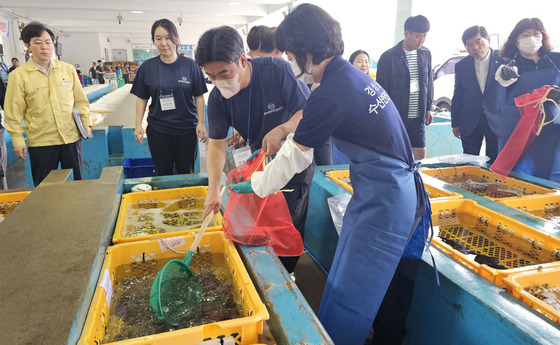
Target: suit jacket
column 394, row 77
column 468, row 103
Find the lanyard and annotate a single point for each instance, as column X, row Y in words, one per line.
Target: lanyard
column 249, row 112
column 159, row 69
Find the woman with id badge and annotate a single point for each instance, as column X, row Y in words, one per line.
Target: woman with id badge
column 176, row 114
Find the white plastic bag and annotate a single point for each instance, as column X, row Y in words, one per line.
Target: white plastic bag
column 462, row 158
column 337, row 206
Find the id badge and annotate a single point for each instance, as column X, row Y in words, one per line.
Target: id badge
column 414, row 86
column 241, row 154
column 167, row 102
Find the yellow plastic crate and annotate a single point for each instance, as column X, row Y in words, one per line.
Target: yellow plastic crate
column 535, row 279
column 526, row 188
column 244, row 330
column 517, row 246
column 341, row 176
column 159, row 196
column 536, row 206
column 8, row 201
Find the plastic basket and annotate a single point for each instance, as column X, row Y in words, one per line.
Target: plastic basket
column 244, row 330
column 138, row 167
column 341, row 176
column 536, row 206
column 526, row 188
column 9, row 201
column 154, row 197
column 516, row 283
column 517, row 246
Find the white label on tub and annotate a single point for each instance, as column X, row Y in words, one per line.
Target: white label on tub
column 172, row 242
column 107, row 286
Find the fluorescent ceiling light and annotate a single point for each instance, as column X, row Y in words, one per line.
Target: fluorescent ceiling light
column 235, row 3
column 220, row 14
column 134, row 11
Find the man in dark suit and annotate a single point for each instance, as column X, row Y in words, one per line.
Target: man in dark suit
column 476, row 94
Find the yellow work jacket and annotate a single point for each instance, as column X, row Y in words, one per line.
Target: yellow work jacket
column 45, row 104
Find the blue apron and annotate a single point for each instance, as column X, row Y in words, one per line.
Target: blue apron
column 377, row 225
column 542, row 159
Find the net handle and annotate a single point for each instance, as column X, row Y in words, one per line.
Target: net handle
column 205, row 223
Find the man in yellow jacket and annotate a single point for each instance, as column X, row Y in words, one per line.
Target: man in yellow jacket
column 39, row 100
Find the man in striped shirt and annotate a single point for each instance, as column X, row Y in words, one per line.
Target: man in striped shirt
column 405, row 72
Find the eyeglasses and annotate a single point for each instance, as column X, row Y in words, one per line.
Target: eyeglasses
column 527, row 34
column 478, row 42
column 41, row 43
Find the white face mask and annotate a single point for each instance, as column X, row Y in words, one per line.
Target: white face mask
column 295, row 68
column 530, row 45
column 228, row 87
column 305, row 78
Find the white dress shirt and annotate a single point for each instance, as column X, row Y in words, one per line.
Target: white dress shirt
column 481, row 69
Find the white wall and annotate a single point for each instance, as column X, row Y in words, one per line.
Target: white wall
column 120, row 43
column 80, row 48
column 13, row 46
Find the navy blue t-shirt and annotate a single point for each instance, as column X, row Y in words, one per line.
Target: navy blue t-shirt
column 276, row 95
column 184, row 79
column 350, row 106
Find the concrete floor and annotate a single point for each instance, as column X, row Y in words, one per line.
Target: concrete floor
column 16, row 176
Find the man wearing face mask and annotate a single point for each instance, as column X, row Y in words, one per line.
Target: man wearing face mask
column 263, row 101
column 532, row 65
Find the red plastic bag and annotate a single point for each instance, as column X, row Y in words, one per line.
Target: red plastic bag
column 256, row 221
column 532, row 116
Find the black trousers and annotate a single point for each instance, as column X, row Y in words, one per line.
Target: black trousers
column 171, row 152
column 298, row 203
column 44, row 159
column 473, row 142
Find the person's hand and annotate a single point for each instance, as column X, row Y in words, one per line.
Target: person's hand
column 457, row 132
column 21, row 151
column 213, row 202
column 272, row 141
column 88, row 131
column 509, row 71
column 253, row 155
column 242, row 188
column 429, row 118
column 554, row 94
column 235, row 140
column 139, row 134
column 201, row 133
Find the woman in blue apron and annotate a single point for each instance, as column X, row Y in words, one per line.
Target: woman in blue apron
column 529, row 45
column 389, row 198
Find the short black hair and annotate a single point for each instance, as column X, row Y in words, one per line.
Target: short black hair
column 309, row 29
column 417, row 23
column 34, row 29
column 254, row 37
column 355, row 55
column 268, row 37
column 15, row 59
column 473, row 31
column 171, row 30
column 98, row 61
column 223, row 43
